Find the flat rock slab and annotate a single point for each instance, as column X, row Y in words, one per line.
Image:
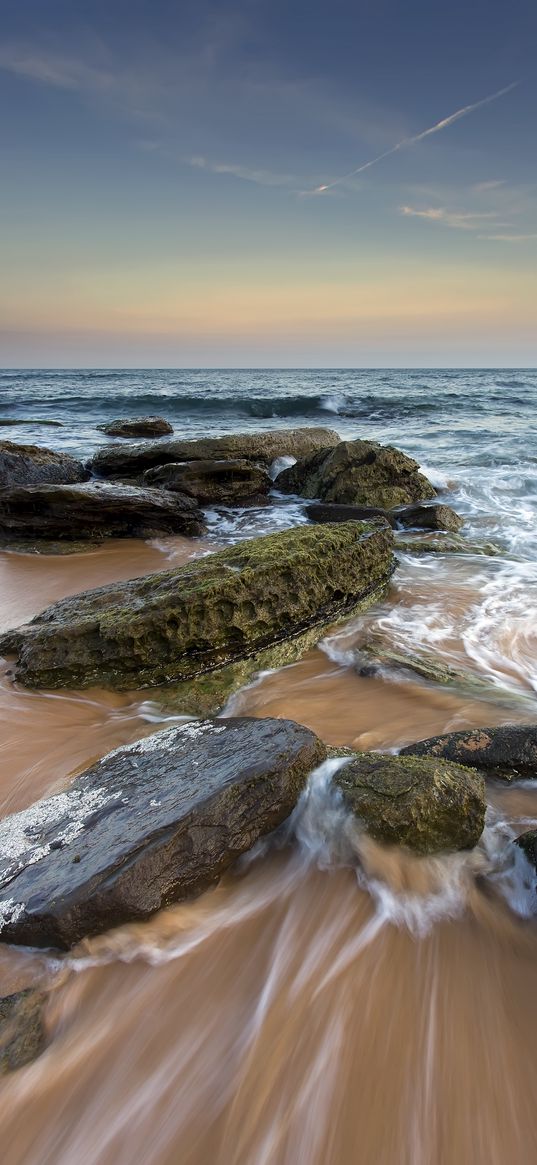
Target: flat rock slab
column 234, row 482
column 137, row 427
column 508, row 752
column 361, row 473
column 33, row 465
column 428, row 805
column 212, row 611
column 150, row 824
column 129, row 460
column 95, row 510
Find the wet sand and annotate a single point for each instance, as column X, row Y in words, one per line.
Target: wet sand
column 294, row 1015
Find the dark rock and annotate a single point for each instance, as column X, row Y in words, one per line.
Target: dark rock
column 507, row 752
column 129, row 460
column 150, row 824
column 137, row 427
column 329, row 512
column 182, row 623
column 11, row 421
column 425, row 517
column 444, row 544
column 95, row 510
column 425, row 804
column 22, row 1031
column 528, row 844
column 360, row 473
column 228, row 482
column 32, row 465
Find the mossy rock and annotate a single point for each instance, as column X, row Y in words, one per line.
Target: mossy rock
column 180, row 624
column 428, row 805
column 361, row 473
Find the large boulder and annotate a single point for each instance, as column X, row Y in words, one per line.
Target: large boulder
column 361, row 473
column 137, row 427
column 425, row 804
column 508, row 752
column 130, row 460
column 182, row 623
column 95, row 510
column 231, row 483
column 152, row 823
column 33, row 465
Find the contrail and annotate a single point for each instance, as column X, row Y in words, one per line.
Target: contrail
column 440, row 125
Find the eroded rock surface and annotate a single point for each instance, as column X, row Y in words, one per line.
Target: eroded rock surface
column 33, row 465
column 235, row 482
column 360, row 473
column 95, row 510
column 507, row 752
column 212, row 611
column 129, row 460
column 137, row 427
column 152, row 823
column 426, row 804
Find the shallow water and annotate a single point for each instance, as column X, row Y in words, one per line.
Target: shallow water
column 330, row 1002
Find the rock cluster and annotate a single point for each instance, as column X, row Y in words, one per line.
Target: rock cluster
column 361, row 473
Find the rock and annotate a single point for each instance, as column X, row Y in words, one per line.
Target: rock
column 425, row 804
column 434, row 517
column 210, row 612
column 452, row 544
column 11, row 421
column 22, row 1032
column 32, row 465
column 95, row 510
column 528, row 844
column 425, row 517
column 360, row 473
column 128, row 460
column 508, row 752
column 373, row 660
column 329, row 512
column 137, row 427
column 150, row 824
column 228, row 482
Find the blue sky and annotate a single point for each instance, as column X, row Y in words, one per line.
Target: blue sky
column 160, row 200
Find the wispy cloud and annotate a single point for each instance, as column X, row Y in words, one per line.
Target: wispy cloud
column 509, row 238
column 484, row 187
column 261, row 177
column 457, row 219
column 412, row 141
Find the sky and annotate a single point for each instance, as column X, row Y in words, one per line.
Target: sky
column 272, row 183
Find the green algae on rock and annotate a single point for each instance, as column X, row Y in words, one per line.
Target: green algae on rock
column 425, row 804
column 360, row 473
column 180, row 624
column 264, row 447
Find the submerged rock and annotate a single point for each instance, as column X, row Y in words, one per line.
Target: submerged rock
column 12, row 421
column 425, row 804
column 508, row 752
column 95, row 510
column 229, row 482
column 181, row 623
column 22, row 1031
column 137, row 427
column 449, row 544
column 358, row 473
column 373, row 659
column 121, row 460
column 33, row 465
column 527, row 842
column 150, row 824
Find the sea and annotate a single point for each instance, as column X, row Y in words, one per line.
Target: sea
column 331, row 1001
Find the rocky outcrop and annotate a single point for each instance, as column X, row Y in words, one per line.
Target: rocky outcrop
column 32, row 465
column 95, row 510
column 128, row 461
column 231, row 483
column 213, row 611
column 22, row 1031
column 150, row 824
column 424, row 517
column 360, row 473
column 425, row 804
column 508, row 752
column 137, row 427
